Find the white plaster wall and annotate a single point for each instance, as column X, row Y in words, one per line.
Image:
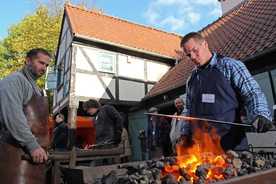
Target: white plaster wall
column 131, row 67
column 110, row 83
column 93, row 55
column 132, row 91
column 89, row 86
column 81, row 61
column 155, row 71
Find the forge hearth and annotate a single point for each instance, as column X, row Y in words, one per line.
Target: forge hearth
column 218, row 169
column 235, row 168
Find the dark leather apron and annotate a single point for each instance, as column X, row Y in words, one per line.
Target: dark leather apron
column 104, row 129
column 14, row 170
column 225, row 107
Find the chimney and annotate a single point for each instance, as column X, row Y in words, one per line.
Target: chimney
column 229, row 5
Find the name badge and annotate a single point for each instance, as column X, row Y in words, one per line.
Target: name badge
column 208, row 98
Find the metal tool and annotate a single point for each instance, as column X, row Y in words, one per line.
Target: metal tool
column 208, row 120
column 102, row 143
column 200, row 119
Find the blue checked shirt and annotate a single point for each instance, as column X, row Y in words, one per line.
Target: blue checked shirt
column 242, row 82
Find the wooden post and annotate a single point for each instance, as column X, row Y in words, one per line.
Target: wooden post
column 72, row 125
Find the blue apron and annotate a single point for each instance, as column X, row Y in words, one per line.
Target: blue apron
column 212, row 97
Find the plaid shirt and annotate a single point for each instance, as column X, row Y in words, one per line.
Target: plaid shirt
column 245, row 86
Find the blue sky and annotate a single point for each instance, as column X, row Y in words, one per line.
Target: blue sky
column 174, row 16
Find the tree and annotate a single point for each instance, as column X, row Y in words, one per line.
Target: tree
column 4, row 67
column 40, row 29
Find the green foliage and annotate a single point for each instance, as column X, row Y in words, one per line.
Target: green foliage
column 4, row 65
column 40, row 29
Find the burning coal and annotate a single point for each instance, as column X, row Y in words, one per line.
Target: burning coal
column 211, row 169
column 204, row 161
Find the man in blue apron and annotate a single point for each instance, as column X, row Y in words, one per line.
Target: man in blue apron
column 24, row 122
column 217, row 89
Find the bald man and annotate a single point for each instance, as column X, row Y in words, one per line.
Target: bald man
column 176, row 123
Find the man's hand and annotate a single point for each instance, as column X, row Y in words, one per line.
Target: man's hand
column 39, row 156
column 261, row 124
column 88, row 147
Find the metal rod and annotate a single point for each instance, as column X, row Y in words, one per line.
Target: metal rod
column 50, row 157
column 200, row 119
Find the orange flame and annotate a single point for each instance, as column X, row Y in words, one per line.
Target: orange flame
column 206, row 145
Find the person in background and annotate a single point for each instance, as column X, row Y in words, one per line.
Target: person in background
column 59, row 142
column 126, row 145
column 24, row 122
column 218, row 88
column 158, row 131
column 176, row 123
column 108, row 124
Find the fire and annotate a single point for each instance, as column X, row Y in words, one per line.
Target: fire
column 204, row 154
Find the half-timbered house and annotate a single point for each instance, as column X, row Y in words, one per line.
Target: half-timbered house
column 134, row 67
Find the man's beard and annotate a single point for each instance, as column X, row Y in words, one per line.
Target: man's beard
column 179, row 110
column 33, row 73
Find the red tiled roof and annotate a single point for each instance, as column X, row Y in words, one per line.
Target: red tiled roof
column 249, row 29
column 111, row 29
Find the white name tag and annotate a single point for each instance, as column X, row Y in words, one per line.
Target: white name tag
column 208, row 98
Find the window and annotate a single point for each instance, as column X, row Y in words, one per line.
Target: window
column 51, row 78
column 106, row 62
column 60, row 72
column 66, row 88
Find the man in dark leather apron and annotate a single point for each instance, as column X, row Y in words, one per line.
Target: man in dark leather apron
column 109, row 125
column 24, row 122
column 218, row 88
